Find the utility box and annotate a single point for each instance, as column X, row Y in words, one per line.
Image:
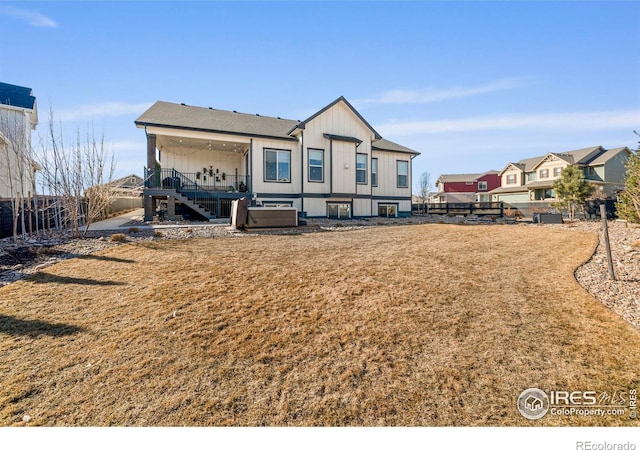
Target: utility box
column 547, row 218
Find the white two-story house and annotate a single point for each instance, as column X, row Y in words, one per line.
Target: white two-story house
column 532, row 179
column 18, row 117
column 333, row 164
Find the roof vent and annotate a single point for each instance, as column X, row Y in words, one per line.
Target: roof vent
column 258, row 115
column 183, row 104
column 235, row 111
column 210, row 107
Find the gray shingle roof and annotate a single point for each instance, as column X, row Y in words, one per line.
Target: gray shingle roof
column 173, row 115
column 608, row 155
column 384, row 144
column 458, row 177
column 582, row 156
column 18, row 96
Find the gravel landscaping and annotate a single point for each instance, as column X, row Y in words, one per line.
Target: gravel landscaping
column 622, row 295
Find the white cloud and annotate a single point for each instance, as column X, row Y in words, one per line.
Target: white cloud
column 33, row 18
column 431, row 95
column 567, row 121
column 99, row 110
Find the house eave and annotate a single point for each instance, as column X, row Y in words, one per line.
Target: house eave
column 141, row 124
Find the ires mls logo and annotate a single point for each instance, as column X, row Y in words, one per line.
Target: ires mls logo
column 533, row 403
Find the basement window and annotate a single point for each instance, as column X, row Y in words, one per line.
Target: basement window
column 339, row 210
column 388, row 210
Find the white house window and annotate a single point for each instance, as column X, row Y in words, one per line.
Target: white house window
column 339, row 210
column 277, row 165
column 387, row 210
column 544, row 173
column 361, row 168
column 511, row 179
column 403, row 174
column 557, row 171
column 316, row 165
column 276, row 204
column 482, row 185
column 374, row 171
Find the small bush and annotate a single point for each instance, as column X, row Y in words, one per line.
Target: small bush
column 43, row 251
column 157, row 234
column 189, row 230
column 133, row 230
column 118, row 237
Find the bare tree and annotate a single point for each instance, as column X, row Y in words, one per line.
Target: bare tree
column 79, row 176
column 423, row 188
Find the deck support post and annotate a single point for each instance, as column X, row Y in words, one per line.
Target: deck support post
column 171, row 207
column 152, row 181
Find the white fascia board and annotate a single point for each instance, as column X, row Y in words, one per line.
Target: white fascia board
column 192, row 134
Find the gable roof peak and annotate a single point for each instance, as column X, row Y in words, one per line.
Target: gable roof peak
column 302, row 124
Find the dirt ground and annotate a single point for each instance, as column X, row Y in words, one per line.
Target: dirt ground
column 430, row 325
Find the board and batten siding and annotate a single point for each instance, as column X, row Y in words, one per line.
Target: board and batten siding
column 259, row 185
column 388, row 175
column 339, row 155
column 187, row 160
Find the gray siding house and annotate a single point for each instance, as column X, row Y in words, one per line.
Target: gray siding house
column 531, row 179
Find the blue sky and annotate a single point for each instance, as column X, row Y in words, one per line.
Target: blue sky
column 470, row 85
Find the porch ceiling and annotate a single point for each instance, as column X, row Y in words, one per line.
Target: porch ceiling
column 174, row 142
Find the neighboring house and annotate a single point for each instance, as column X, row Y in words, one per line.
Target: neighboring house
column 18, row 117
column 333, row 164
column 532, row 179
column 461, row 188
column 129, row 186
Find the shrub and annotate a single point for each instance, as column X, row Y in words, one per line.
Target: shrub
column 118, row 237
column 158, row 234
column 133, row 230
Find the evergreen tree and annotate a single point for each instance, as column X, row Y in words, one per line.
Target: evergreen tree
column 572, row 190
column 629, row 200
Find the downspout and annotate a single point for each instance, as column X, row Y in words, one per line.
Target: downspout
column 250, row 168
column 301, row 171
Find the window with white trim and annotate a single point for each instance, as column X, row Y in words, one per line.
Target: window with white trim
column 482, row 185
column 403, row 174
column 374, row 171
column 277, row 165
column 361, row 168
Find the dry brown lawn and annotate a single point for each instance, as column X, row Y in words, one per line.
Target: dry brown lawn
column 417, row 325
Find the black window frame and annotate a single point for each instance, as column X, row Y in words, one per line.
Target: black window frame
column 279, row 179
